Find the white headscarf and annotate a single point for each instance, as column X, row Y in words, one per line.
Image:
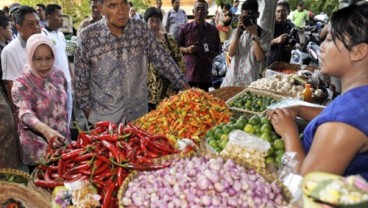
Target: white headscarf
column 32, row 43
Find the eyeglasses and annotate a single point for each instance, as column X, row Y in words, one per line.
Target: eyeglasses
column 39, row 60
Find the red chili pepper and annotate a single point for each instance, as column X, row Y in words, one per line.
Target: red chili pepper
column 122, row 155
column 71, row 154
column 47, row 175
column 103, row 158
column 55, row 176
column 73, row 145
column 143, row 145
column 108, row 195
column 60, row 167
column 52, row 167
column 150, row 154
column 84, row 166
column 112, row 149
column 120, row 176
column 101, row 169
column 83, row 157
column 47, row 184
column 143, row 160
column 113, row 203
column 137, row 151
column 98, row 130
column 106, row 174
column 164, row 147
column 84, row 139
column 128, row 150
column 49, row 146
column 154, row 149
column 106, row 124
column 71, row 177
column 99, row 184
column 108, row 137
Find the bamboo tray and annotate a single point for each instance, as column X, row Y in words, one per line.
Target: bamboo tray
column 247, row 113
column 266, row 175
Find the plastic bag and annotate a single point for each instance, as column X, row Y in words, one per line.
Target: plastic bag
column 250, row 148
column 83, row 194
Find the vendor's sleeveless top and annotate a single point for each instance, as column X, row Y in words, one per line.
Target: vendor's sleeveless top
column 350, row 108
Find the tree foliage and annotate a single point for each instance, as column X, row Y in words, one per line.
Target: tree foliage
column 80, row 9
column 317, row 6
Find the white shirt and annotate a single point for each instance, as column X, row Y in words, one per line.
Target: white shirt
column 61, row 59
column 62, row 63
column 13, row 59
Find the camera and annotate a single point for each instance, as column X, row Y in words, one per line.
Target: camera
column 248, row 20
column 292, row 37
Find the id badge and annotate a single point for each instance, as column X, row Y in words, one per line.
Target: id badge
column 205, row 46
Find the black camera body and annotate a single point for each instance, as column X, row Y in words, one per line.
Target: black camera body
column 248, row 20
column 292, row 37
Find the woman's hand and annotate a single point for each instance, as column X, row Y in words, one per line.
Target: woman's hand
column 49, row 133
column 283, row 120
column 59, row 139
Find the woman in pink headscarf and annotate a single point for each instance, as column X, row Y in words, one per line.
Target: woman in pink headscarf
column 39, row 94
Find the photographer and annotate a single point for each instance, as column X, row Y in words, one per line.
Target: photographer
column 284, row 37
column 248, row 47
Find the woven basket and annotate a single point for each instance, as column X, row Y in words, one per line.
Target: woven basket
column 28, row 195
column 269, row 177
column 15, row 172
column 247, row 113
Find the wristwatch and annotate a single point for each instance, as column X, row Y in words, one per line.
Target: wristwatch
column 255, row 38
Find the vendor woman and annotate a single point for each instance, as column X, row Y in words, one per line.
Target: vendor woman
column 336, row 139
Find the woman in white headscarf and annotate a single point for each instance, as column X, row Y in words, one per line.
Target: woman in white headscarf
column 39, row 94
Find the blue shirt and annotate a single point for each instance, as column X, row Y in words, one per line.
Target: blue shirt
column 350, row 108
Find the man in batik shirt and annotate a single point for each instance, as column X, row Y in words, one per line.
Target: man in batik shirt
column 112, row 62
column 199, row 42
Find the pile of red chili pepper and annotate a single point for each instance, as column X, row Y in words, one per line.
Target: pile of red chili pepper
column 105, row 157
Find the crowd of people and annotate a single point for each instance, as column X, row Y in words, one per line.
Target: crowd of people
column 126, row 63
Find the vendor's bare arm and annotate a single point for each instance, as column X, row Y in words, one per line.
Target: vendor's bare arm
column 334, row 146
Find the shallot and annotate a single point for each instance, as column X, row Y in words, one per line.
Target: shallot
column 209, row 182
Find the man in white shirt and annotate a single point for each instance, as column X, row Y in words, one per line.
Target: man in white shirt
column 13, row 56
column 54, row 22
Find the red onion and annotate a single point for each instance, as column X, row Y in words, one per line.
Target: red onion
column 206, row 200
column 202, row 182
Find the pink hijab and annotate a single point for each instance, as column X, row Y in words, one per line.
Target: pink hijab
column 32, row 43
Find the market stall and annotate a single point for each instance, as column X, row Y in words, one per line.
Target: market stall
column 196, row 149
